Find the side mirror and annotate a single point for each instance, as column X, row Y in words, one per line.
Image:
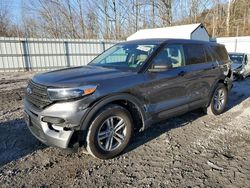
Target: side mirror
column 160, row 66
column 246, row 60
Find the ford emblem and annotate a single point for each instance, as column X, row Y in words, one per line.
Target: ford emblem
column 29, row 90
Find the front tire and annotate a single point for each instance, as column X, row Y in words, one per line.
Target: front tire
column 110, row 132
column 242, row 77
column 235, row 77
column 218, row 101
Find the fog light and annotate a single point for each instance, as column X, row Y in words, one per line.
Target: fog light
column 53, row 120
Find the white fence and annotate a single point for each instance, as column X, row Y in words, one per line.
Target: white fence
column 236, row 44
column 25, row 54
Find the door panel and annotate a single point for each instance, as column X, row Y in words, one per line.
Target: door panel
column 201, row 72
column 166, row 90
column 200, row 78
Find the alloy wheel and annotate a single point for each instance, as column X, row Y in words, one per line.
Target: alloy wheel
column 219, row 99
column 111, row 133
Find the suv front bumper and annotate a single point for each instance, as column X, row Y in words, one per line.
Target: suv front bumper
column 58, row 135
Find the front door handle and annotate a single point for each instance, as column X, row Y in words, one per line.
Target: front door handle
column 182, row 73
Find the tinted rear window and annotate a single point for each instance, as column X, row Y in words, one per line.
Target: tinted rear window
column 220, row 53
column 194, row 54
column 208, row 54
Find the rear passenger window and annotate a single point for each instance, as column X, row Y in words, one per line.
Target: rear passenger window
column 209, row 56
column 194, row 54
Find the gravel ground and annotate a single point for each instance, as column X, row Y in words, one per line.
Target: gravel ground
column 193, row 150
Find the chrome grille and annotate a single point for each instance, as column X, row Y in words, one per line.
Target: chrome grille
column 38, row 95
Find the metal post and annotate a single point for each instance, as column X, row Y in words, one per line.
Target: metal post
column 235, row 46
column 66, row 44
column 103, row 46
column 25, row 55
column 2, row 59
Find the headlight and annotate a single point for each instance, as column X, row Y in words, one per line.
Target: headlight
column 56, row 94
column 242, row 71
column 239, row 68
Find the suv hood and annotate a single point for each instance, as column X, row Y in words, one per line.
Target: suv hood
column 78, row 76
column 236, row 66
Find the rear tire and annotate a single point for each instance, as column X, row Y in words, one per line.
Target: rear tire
column 110, row 132
column 218, row 101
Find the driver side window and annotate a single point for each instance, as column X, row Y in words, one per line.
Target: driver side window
column 171, row 55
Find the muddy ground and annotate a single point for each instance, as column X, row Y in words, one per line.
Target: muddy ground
column 193, row 150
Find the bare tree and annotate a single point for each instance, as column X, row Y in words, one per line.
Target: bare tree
column 4, row 21
column 81, row 18
column 153, row 13
column 7, row 27
column 228, row 17
column 92, row 25
column 165, row 11
column 105, row 4
column 118, row 19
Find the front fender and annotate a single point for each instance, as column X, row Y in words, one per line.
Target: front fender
column 97, row 105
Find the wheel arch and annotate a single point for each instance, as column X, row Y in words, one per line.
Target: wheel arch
column 220, row 80
column 128, row 101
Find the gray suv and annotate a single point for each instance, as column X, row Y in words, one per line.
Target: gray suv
column 240, row 65
column 125, row 90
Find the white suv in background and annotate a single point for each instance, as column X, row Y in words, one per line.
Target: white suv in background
column 240, row 65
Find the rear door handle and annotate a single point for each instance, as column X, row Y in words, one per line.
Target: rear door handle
column 182, row 73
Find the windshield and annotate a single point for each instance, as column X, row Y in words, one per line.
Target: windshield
column 236, row 58
column 124, row 56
